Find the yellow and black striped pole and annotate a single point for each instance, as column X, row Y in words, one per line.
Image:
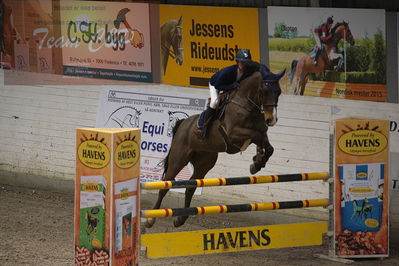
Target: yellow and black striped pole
column 161, row 213
column 246, row 180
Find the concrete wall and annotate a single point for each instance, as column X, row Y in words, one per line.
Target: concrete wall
column 38, row 122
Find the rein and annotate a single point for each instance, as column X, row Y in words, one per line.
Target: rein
column 260, row 107
column 171, row 40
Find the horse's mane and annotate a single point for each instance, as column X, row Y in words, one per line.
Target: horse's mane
column 249, row 68
column 165, row 161
column 333, row 29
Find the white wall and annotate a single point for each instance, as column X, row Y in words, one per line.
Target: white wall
column 37, row 135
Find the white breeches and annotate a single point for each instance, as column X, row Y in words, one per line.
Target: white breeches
column 317, row 39
column 214, row 96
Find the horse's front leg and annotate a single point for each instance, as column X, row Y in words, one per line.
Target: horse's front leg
column 263, row 153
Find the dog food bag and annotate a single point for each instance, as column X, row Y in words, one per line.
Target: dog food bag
column 92, row 212
column 362, row 201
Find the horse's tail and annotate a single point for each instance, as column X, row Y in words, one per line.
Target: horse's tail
column 293, row 68
column 165, row 161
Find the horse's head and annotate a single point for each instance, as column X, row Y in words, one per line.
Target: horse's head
column 176, row 41
column 343, row 31
column 173, row 118
column 269, row 93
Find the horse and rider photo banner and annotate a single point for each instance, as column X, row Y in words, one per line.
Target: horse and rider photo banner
column 361, row 205
column 197, row 41
column 106, row 40
column 329, row 52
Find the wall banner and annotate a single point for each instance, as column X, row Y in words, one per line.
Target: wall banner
column 350, row 61
column 361, row 189
column 197, row 41
column 106, row 40
column 155, row 114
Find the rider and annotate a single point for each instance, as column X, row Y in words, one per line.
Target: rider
column 321, row 35
column 224, row 80
column 227, row 79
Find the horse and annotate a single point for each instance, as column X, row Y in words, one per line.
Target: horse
column 171, row 35
column 302, row 68
column 247, row 114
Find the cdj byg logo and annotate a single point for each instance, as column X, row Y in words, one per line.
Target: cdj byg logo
column 116, row 35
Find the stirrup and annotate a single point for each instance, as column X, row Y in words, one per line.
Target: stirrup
column 314, row 62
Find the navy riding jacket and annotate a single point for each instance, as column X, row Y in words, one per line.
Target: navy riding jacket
column 226, row 79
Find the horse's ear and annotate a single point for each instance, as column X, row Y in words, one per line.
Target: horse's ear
column 280, row 74
column 180, row 20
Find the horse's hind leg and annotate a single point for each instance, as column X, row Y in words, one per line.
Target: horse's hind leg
column 202, row 162
column 175, row 164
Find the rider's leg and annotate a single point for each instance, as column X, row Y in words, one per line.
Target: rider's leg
column 318, row 45
column 206, row 115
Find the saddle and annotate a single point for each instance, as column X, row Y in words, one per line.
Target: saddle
column 223, row 100
column 315, row 51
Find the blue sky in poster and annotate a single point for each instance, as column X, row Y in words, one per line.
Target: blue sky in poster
column 361, row 21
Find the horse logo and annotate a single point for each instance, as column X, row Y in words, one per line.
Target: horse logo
column 171, row 35
column 21, row 64
column 173, row 118
column 328, row 59
column 43, row 64
column 361, row 211
column 124, row 117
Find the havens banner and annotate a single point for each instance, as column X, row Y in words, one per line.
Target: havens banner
column 106, row 40
column 198, row 41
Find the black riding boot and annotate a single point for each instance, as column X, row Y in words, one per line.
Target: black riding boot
column 316, row 56
column 204, row 119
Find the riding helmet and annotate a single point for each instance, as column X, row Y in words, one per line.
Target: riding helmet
column 330, row 20
column 243, row 55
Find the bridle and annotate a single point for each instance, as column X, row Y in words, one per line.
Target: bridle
column 259, row 107
column 171, row 40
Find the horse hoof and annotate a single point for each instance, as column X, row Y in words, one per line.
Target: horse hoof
column 176, row 223
column 253, row 169
column 149, row 222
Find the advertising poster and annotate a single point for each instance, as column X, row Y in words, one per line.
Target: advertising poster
column 155, row 114
column 361, row 205
column 329, row 52
column 197, row 41
column 107, row 196
column 106, row 40
column 394, row 173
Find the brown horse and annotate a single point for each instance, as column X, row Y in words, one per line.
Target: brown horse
column 328, row 58
column 171, row 35
column 7, row 34
column 249, row 111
